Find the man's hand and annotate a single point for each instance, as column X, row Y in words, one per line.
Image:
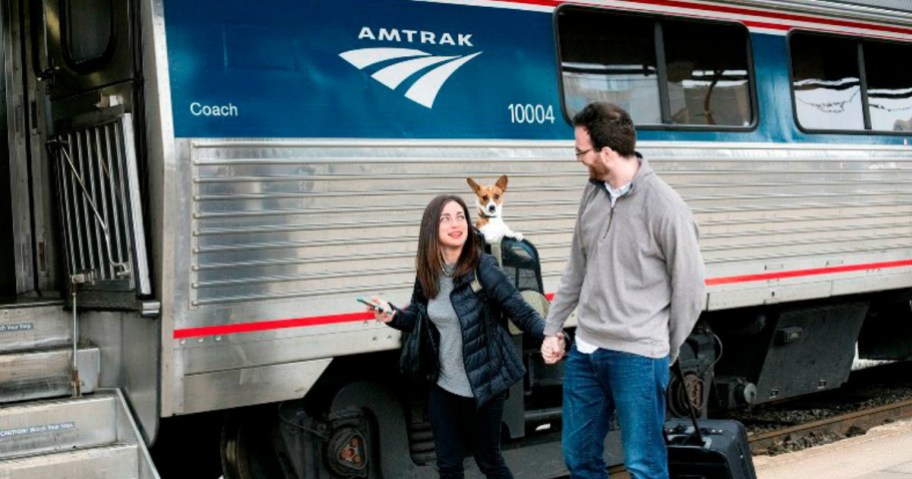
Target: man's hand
column 552, row 348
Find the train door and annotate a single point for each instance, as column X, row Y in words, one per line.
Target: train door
column 8, row 277
column 83, row 89
column 70, row 189
column 85, row 61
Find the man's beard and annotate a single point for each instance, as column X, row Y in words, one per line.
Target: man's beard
column 597, row 172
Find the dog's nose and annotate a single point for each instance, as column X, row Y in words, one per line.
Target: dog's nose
column 492, row 208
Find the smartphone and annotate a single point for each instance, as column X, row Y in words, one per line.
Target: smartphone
column 372, row 304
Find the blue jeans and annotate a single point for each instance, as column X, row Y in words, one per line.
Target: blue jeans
column 595, row 386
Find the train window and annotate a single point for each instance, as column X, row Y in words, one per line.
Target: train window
column 844, row 83
column 594, row 68
column 826, row 82
column 889, row 87
column 708, row 82
column 663, row 71
column 87, row 29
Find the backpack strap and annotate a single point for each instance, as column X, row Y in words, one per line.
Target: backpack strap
column 497, row 252
column 476, row 284
column 477, row 287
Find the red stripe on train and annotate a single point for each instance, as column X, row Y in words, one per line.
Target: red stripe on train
column 270, row 325
column 747, row 278
column 365, row 316
column 739, row 11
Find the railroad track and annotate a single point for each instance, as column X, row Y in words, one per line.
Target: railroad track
column 842, row 425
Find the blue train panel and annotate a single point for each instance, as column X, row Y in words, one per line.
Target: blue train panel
column 361, row 68
column 405, row 69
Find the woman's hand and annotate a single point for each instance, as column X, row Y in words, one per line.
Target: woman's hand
column 382, row 310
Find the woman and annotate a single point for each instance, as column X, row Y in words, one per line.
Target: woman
column 478, row 363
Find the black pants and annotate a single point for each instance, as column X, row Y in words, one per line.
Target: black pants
column 456, row 421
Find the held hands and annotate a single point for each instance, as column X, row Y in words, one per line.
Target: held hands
column 382, row 310
column 552, row 348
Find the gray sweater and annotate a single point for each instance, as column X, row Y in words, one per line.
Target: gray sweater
column 452, row 375
column 635, row 272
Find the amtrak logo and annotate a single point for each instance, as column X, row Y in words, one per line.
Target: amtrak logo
column 408, row 63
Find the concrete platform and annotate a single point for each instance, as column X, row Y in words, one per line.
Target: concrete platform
column 885, row 452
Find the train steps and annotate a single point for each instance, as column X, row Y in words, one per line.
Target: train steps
column 76, row 438
column 39, row 374
column 34, row 325
column 36, row 354
column 46, row 430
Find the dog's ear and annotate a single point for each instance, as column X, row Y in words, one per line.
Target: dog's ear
column 475, row 186
column 502, row 183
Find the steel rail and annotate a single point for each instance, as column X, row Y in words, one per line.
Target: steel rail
column 839, row 424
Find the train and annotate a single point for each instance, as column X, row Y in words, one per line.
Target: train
column 194, row 194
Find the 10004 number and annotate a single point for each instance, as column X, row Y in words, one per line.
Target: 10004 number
column 527, row 113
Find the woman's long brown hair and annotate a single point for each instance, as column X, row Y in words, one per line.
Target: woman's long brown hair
column 429, row 260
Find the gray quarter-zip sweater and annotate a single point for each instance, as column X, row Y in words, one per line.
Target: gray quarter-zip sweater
column 635, row 272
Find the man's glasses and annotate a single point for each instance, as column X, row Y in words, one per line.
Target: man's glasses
column 579, row 154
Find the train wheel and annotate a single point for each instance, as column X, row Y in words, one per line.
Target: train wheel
column 682, row 397
column 377, row 412
column 247, row 445
column 346, row 440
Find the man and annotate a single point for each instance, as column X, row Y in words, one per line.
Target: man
column 635, row 276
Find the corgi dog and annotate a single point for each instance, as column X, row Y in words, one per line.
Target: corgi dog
column 489, row 200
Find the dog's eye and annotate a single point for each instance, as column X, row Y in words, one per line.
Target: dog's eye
column 496, row 197
column 484, row 198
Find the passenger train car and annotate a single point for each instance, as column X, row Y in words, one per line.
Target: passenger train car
column 194, row 194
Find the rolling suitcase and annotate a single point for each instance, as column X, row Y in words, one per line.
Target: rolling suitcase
column 707, row 448
column 719, row 451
